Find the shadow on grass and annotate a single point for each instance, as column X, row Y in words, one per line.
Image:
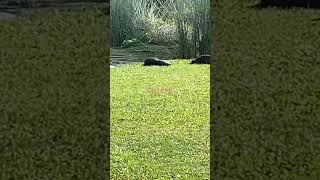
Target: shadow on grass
column 286, row 4
column 316, row 19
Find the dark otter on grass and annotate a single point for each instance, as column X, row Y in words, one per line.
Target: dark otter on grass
column 155, row 62
column 203, row 59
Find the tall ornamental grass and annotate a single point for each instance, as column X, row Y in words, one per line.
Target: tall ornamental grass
column 176, row 23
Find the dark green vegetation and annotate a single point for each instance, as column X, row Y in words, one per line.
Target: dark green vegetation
column 53, row 96
column 160, row 122
column 267, row 70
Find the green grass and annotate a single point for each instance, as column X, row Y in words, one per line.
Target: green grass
column 268, row 76
column 52, row 96
column 160, row 122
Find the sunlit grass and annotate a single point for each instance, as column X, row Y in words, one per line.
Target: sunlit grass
column 160, row 122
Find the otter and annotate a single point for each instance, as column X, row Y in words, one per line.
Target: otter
column 203, row 59
column 155, row 62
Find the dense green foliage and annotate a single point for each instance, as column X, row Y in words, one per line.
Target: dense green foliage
column 52, row 96
column 267, row 72
column 160, row 122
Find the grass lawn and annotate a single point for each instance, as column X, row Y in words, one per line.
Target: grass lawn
column 160, row 122
column 52, row 96
column 268, row 75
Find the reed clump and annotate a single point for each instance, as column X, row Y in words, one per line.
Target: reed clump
column 184, row 24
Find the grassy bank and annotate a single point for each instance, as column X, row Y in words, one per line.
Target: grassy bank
column 52, row 96
column 268, row 75
column 160, row 122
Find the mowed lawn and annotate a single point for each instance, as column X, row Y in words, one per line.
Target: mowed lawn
column 160, row 122
column 52, row 95
column 268, row 79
